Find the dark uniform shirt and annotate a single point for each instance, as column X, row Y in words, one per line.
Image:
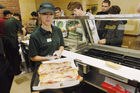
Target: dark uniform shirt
column 44, row 43
column 11, row 45
column 12, row 26
column 1, row 51
column 102, row 13
column 113, row 32
column 3, row 65
column 5, row 83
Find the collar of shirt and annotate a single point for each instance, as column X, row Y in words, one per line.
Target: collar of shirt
column 45, row 32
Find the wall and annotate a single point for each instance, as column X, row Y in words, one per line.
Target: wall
column 127, row 6
column 91, row 3
column 129, row 41
column 63, row 3
column 26, row 7
column 12, row 5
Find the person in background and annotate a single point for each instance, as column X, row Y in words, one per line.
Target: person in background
column 60, row 23
column 46, row 43
column 58, row 12
column 99, row 23
column 112, row 31
column 17, row 16
column 7, row 14
column 74, row 26
column 11, row 45
column 35, row 17
column 105, row 7
column 89, row 11
column 77, row 9
column 32, row 23
column 5, row 84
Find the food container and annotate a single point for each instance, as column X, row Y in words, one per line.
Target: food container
column 35, row 84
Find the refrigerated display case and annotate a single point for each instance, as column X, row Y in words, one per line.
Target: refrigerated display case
column 80, row 38
column 74, row 31
column 91, row 57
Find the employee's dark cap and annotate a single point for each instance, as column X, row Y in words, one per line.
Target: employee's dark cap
column 1, row 6
column 46, row 7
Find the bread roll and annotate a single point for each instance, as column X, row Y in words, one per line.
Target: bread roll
column 113, row 65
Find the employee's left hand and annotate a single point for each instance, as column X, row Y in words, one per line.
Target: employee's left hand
column 57, row 54
column 102, row 41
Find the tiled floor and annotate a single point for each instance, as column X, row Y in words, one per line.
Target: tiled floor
column 21, row 84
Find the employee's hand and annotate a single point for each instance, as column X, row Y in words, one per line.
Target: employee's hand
column 57, row 54
column 52, row 58
column 102, row 41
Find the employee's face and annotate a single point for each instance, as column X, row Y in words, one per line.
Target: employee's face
column 58, row 13
column 105, row 7
column 46, row 18
column 76, row 12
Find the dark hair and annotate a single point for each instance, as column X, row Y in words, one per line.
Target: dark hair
column 72, row 5
column 6, row 12
column 17, row 14
column 34, row 14
column 57, row 8
column 88, row 10
column 114, row 10
column 107, row 1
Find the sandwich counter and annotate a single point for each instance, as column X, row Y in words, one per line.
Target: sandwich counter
column 105, row 68
column 94, row 59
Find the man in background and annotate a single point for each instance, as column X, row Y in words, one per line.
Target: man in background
column 11, row 45
column 5, row 83
column 35, row 17
column 4, row 79
column 105, row 7
column 32, row 23
column 112, row 31
column 58, row 12
column 60, row 23
column 7, row 14
column 77, row 9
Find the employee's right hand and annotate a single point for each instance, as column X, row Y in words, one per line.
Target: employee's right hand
column 52, row 58
column 57, row 54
